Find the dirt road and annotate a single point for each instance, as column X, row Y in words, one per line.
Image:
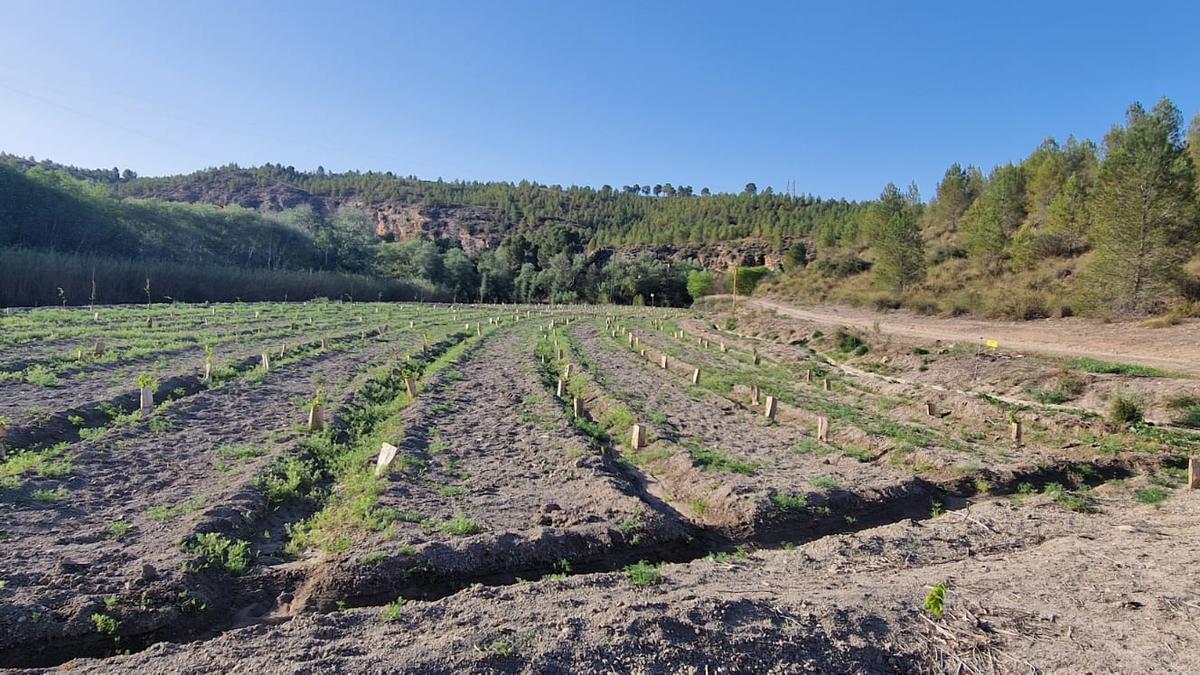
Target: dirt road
column 1176, row 348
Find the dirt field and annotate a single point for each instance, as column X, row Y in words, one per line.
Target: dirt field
column 1171, row 348
column 580, row 489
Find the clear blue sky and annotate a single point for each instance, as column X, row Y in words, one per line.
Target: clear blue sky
column 841, row 97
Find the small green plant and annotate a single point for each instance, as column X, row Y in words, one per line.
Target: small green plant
column 41, row 376
column 217, row 551
column 393, row 610
column 1186, row 409
column 1125, row 410
column 48, row 495
column 317, row 400
column 165, row 512
column 711, row 460
column 642, row 573
column 824, row 483
column 288, row 479
column 105, row 623
column 460, row 526
column 1153, row 494
column 1078, row 501
column 935, row 600
column 789, row 502
column 1105, row 368
column 374, row 558
column 499, row 647
column 147, row 381
column 117, row 529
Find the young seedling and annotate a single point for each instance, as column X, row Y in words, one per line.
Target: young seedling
column 208, row 363
column 147, row 384
column 316, row 412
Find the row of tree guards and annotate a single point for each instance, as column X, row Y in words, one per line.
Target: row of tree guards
column 768, row 403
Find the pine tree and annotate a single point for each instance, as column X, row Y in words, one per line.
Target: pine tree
column 1143, row 212
column 896, row 238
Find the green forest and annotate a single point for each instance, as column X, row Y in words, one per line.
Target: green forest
column 1075, row 228
column 1078, row 227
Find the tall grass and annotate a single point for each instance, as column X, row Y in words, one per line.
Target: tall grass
column 34, row 278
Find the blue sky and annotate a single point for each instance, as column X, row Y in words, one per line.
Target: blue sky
column 840, row 97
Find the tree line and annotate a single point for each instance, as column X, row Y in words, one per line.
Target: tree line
column 1123, row 216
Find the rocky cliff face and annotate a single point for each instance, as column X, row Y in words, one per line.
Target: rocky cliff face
column 475, row 227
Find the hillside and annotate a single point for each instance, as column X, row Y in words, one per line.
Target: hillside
column 1108, row 229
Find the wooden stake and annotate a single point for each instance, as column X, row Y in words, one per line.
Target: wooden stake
column 3, row 433
column 410, row 387
column 316, row 418
column 724, row 348
column 577, row 406
column 638, row 437
column 1015, row 427
column 562, row 388
column 387, row 454
column 207, row 373
column 823, row 429
column 696, row 376
column 266, row 361
column 808, row 376
column 754, row 395
column 770, row 411
column 825, row 384
column 663, row 362
column 147, row 403
column 567, row 372
column 929, row 412
column 1193, row 467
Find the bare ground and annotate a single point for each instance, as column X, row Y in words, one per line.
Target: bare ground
column 1175, row 348
column 1031, row 588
